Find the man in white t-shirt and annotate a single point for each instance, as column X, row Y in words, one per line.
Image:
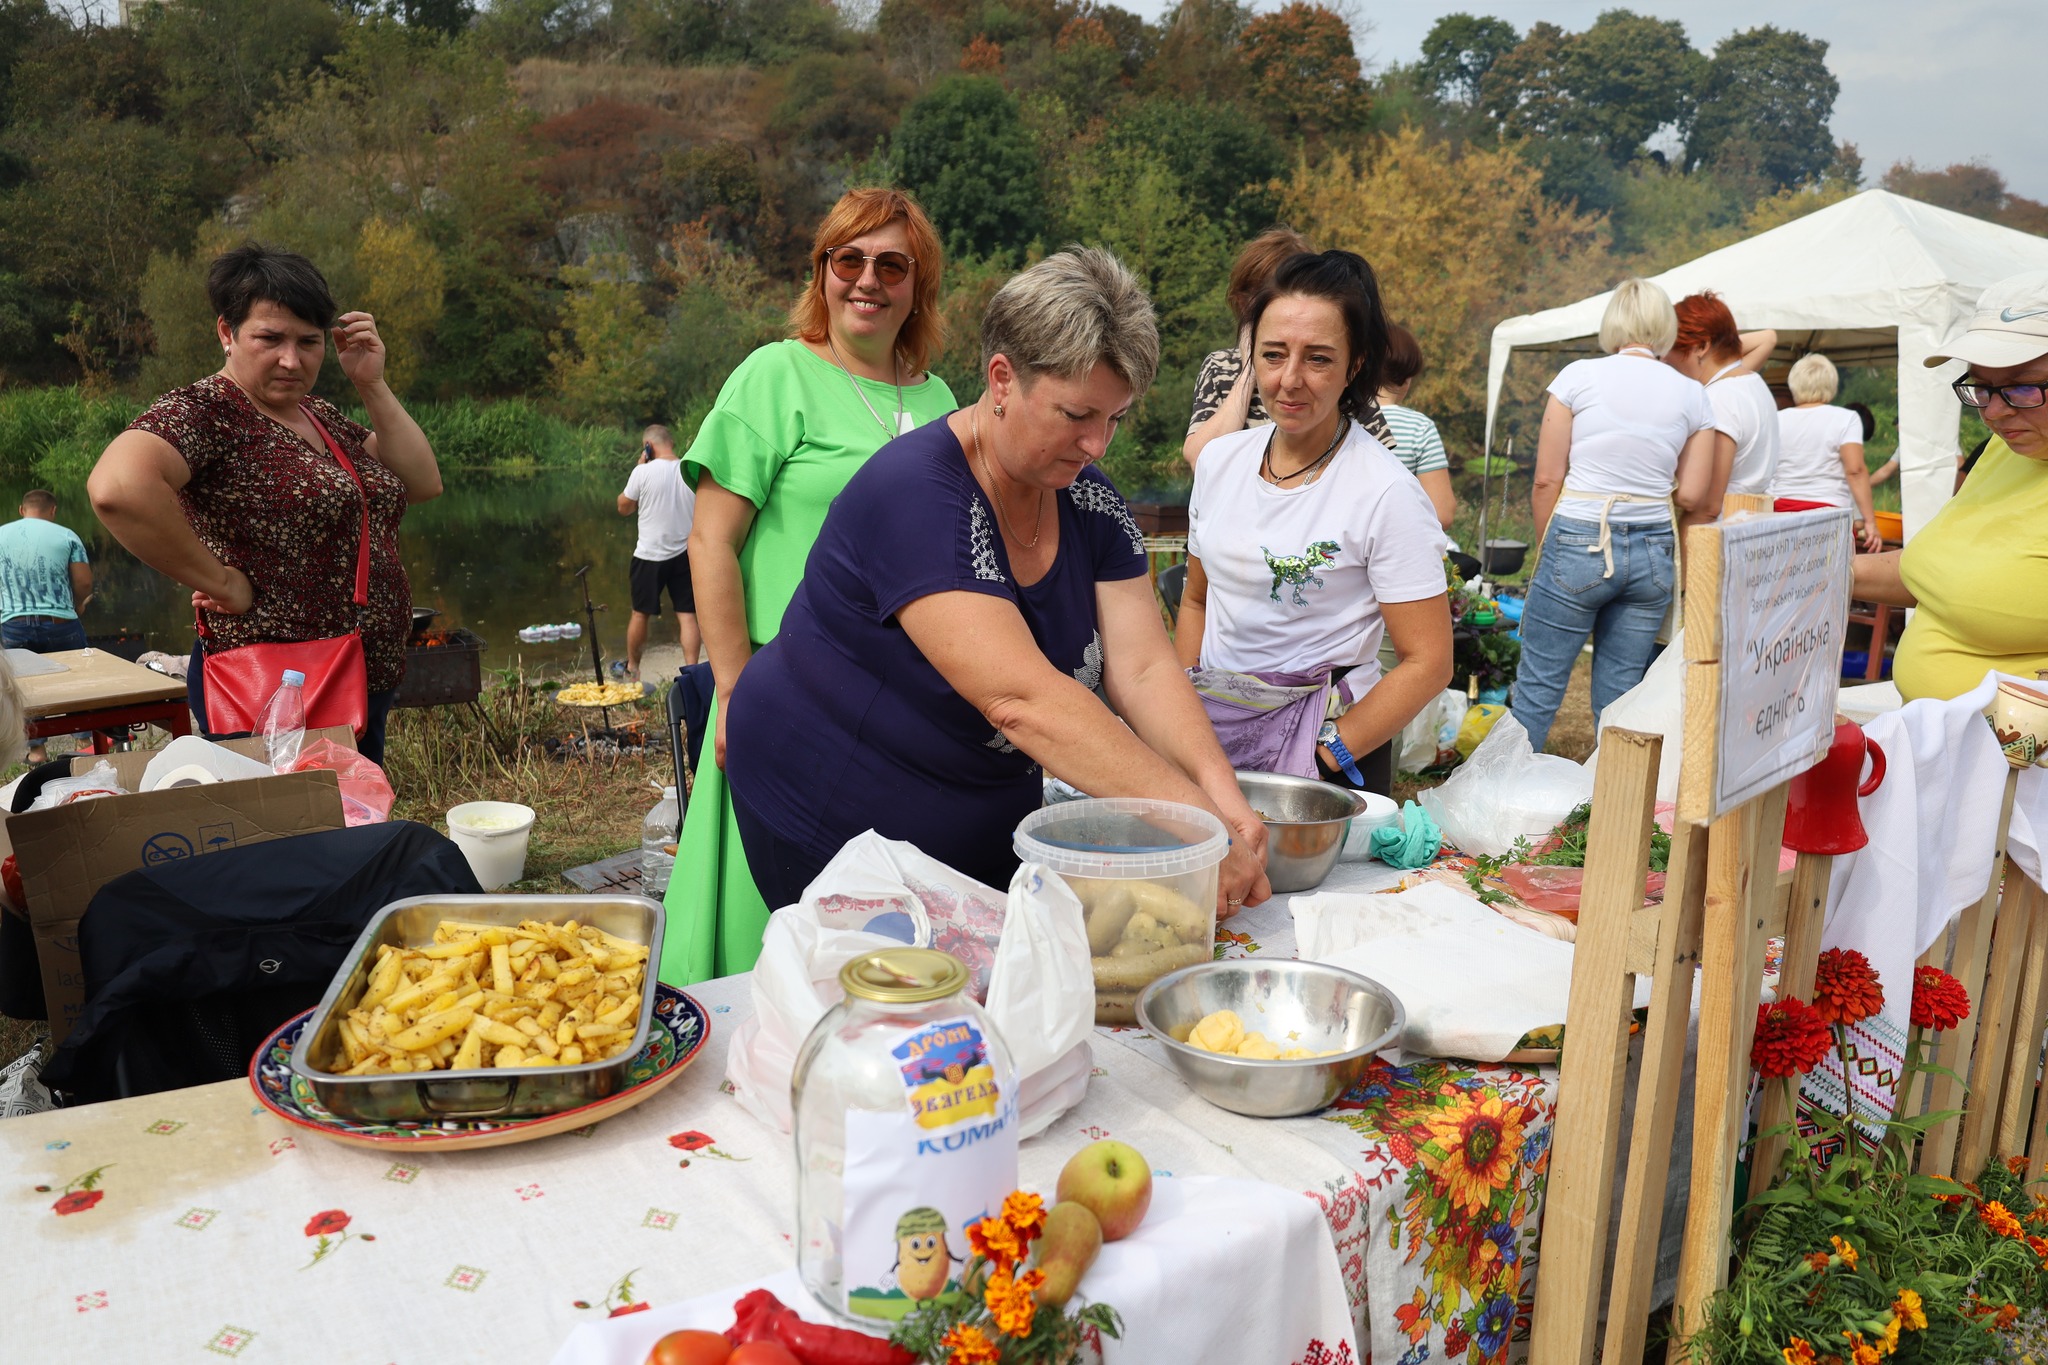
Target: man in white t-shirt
column 665, row 505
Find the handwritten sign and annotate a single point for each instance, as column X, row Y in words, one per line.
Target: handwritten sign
column 1784, row 604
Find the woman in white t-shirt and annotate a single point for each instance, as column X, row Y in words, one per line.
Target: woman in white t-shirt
column 1711, row 351
column 1624, row 438
column 1308, row 542
column 1820, row 451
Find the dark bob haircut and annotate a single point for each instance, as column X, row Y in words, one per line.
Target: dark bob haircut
column 1404, row 356
column 251, row 274
column 1346, row 280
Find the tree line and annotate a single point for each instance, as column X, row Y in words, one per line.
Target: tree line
column 604, row 204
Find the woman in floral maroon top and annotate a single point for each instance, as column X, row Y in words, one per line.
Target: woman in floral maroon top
column 226, row 486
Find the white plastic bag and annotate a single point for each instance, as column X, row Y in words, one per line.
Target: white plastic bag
column 1506, row 791
column 62, row 791
column 1655, row 706
column 1028, row 951
column 1416, row 747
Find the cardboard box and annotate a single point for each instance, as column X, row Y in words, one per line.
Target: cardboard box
column 67, row 853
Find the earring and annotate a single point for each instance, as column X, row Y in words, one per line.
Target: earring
column 999, row 409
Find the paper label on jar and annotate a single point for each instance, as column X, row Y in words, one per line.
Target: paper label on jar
column 916, row 1180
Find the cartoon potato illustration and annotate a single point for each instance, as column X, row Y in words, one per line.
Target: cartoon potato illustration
column 922, row 1256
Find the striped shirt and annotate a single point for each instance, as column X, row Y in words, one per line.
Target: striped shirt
column 1416, row 441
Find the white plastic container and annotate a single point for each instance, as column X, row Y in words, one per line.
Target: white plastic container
column 1380, row 813
column 492, row 835
column 658, row 844
column 1146, row 873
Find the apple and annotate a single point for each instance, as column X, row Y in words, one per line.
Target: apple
column 1115, row 1183
column 1067, row 1246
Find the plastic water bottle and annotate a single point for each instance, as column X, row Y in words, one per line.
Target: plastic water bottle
column 658, row 844
column 284, row 721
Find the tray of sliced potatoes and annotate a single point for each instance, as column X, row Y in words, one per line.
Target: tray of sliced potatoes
column 604, row 694
column 471, row 1007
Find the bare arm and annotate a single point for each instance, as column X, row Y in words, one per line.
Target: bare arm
column 1756, row 349
column 134, row 491
column 1193, row 617
column 1421, row 632
column 1884, row 472
column 1877, row 579
column 1703, row 469
column 1859, row 492
column 1553, row 457
column 720, row 528
column 81, row 586
column 396, row 441
column 627, row 507
column 982, row 648
column 1236, row 409
column 1437, row 483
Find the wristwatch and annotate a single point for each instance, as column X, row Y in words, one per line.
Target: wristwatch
column 1328, row 737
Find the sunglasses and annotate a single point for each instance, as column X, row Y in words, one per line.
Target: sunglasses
column 849, row 263
column 1977, row 394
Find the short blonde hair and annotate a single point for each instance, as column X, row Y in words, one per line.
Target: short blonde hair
column 1074, row 310
column 1813, row 379
column 1639, row 314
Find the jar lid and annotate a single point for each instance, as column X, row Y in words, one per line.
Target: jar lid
column 904, row 976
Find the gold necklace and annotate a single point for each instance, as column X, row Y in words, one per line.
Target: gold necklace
column 1037, row 518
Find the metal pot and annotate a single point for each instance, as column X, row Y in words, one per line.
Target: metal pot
column 1502, row 557
column 1305, row 821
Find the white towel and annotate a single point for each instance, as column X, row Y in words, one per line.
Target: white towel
column 1932, row 825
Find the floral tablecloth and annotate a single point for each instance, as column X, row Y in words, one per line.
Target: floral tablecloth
column 195, row 1225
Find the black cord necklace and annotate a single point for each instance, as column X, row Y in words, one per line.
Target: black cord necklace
column 1266, row 458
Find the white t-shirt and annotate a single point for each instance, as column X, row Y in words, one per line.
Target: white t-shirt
column 1810, row 442
column 1745, row 411
column 667, row 506
column 1297, row 575
column 1631, row 416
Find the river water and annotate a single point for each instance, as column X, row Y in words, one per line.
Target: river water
column 493, row 553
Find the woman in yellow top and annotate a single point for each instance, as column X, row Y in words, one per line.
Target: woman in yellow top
column 1978, row 572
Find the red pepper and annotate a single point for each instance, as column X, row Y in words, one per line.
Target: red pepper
column 817, row 1344
column 754, row 1318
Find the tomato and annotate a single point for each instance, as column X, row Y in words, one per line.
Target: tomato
column 691, row 1348
column 763, row 1353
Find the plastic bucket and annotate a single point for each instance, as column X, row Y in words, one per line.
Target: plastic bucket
column 492, row 835
column 1146, row 874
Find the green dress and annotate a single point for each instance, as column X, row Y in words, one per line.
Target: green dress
column 786, row 434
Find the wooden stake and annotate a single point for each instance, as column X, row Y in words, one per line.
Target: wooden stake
column 1997, row 1022
column 1579, row 1196
column 2030, row 1017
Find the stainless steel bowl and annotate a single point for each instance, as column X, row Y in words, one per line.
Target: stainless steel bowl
column 1305, row 821
column 483, row 1093
column 1295, row 1004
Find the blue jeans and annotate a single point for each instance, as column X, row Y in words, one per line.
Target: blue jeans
column 1569, row 599
column 41, row 635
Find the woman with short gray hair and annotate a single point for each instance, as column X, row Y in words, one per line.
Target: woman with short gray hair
column 976, row 592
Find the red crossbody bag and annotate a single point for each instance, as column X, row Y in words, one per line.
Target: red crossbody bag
column 240, row 682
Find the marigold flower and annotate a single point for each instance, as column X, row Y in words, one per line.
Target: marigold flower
column 1026, row 1213
column 969, row 1346
column 1939, row 1000
column 1947, row 1198
column 2006, row 1316
column 1909, row 1312
column 2039, row 1246
column 1845, row 987
column 1862, row 1352
column 1800, row 1352
column 1013, row 1302
column 1817, row 1262
column 1999, row 1219
column 996, row 1242
column 1889, row 1342
column 1845, row 1251
column 1790, row 1039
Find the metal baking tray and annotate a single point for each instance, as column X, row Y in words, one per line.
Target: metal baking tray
column 483, row 1092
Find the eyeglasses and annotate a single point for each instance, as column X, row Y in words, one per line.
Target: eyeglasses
column 1974, row 393
column 849, row 263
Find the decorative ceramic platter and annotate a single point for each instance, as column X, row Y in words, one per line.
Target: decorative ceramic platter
column 681, row 1028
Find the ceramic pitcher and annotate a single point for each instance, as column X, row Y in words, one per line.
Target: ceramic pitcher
column 1820, row 808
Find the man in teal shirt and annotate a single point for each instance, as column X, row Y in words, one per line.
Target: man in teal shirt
column 44, row 579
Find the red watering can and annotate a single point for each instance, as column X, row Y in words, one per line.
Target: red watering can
column 1820, row 808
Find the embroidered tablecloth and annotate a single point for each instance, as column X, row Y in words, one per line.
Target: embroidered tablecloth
column 195, row 1225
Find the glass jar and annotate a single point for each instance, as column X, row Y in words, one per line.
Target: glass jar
column 906, row 1135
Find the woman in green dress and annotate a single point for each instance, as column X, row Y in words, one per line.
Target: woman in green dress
column 790, row 427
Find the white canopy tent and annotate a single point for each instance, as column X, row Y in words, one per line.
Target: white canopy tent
column 1875, row 279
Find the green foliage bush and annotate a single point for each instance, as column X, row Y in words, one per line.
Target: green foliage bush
column 54, row 434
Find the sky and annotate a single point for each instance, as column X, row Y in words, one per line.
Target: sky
column 1919, row 79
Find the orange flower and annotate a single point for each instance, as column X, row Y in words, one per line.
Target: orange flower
column 1026, row 1213
column 1011, row 1302
column 1481, row 1137
column 1999, row 1219
column 2039, row 1246
column 1845, row 987
column 1889, row 1342
column 969, row 1346
column 1909, row 1312
column 1861, row 1351
column 1817, row 1262
column 1948, row 1198
column 2005, row 1317
column 996, row 1242
column 1845, row 1251
column 1800, row 1352
column 2016, row 1164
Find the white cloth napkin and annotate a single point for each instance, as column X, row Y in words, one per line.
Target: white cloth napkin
column 1471, row 981
column 1221, row 1272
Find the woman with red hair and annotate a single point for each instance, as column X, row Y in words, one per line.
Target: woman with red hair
column 792, row 424
column 1710, row 350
